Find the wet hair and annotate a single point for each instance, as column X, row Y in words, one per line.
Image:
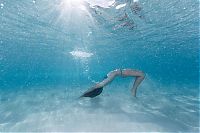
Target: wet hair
column 93, row 92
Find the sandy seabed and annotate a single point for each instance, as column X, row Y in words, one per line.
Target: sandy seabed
column 59, row 109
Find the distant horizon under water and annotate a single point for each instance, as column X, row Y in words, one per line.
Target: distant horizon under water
column 51, row 52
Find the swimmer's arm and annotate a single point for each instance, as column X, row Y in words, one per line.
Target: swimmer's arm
column 110, row 78
column 107, row 81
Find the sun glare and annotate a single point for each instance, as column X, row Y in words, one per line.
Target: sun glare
column 72, row 3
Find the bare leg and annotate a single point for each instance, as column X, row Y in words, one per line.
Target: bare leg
column 137, row 82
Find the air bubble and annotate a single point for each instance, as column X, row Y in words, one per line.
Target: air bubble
column 1, row 5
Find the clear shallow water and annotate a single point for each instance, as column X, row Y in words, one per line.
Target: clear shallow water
column 50, row 53
column 58, row 109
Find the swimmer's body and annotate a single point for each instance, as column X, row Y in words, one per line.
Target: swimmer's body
column 98, row 88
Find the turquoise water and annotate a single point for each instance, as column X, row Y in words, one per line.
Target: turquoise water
column 53, row 51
